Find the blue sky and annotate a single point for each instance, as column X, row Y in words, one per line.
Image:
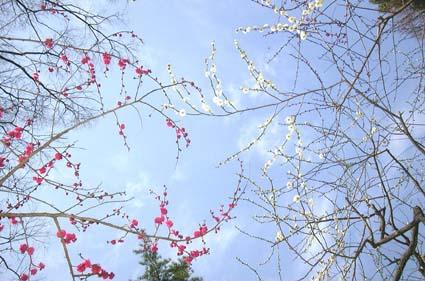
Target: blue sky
column 177, row 33
column 180, row 33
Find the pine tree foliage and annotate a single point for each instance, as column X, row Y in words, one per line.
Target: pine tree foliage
column 160, row 269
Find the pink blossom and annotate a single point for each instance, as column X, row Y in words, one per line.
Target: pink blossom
column 122, row 63
column 106, row 57
column 48, row 42
column 169, row 223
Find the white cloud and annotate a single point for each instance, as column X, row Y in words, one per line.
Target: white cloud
column 221, row 241
column 138, row 189
column 178, row 174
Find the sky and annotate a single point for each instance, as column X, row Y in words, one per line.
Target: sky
column 180, row 33
column 177, row 33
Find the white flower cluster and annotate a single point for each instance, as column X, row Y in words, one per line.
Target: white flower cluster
column 170, row 73
column 293, row 23
column 373, row 130
column 279, row 237
column 245, row 90
column 323, row 274
column 205, row 107
column 276, row 153
column 184, row 98
column 211, row 72
column 261, row 82
column 299, row 148
column 290, row 120
column 359, row 114
column 279, row 27
column 311, row 6
column 182, row 113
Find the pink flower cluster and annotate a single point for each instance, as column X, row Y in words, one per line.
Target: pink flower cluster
column 25, row 249
column 95, row 269
column 68, row 238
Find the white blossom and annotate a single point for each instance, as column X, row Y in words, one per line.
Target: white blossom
column 279, row 237
column 182, row 113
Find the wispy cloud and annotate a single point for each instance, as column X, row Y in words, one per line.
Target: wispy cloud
column 138, row 189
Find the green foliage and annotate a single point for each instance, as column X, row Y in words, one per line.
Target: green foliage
column 159, row 269
column 411, row 20
column 391, row 5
